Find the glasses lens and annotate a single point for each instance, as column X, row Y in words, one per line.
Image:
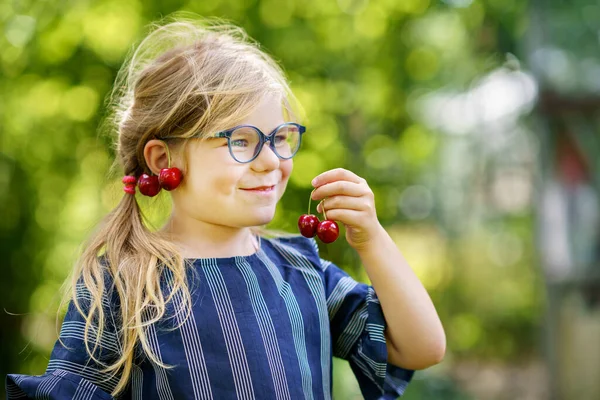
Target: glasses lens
column 243, row 143
column 287, row 141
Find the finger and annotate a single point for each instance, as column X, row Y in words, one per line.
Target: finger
column 337, row 188
column 336, row 175
column 352, row 218
column 344, row 202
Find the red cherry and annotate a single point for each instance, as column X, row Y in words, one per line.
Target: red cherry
column 307, row 223
column 328, row 231
column 149, row 185
column 169, row 178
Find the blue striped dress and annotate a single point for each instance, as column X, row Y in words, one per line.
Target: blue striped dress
column 263, row 326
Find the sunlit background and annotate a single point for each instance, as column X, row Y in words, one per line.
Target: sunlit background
column 475, row 123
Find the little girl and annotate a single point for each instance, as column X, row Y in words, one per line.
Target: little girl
column 212, row 306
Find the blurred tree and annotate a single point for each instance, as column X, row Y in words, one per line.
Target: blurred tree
column 568, row 216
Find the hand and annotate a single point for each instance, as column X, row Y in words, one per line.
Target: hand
column 347, row 198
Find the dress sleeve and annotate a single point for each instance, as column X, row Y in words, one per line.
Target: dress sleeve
column 71, row 373
column 357, row 329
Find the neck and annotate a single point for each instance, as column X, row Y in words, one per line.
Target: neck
column 199, row 239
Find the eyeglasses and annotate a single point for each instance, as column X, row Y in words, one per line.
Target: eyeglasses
column 246, row 141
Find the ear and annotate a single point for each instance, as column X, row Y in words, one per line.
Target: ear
column 155, row 154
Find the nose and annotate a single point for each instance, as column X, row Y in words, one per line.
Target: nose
column 266, row 159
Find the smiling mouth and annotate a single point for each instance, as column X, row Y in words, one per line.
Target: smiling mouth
column 261, row 188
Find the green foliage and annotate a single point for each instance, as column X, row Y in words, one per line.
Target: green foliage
column 358, row 66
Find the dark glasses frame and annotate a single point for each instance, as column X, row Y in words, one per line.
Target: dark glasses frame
column 270, row 138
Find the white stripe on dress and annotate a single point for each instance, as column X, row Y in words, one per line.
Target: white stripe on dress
column 137, row 383
column 297, row 322
column 76, row 330
column 376, row 332
column 45, row 388
column 192, row 347
column 367, row 372
column 13, row 391
column 106, row 382
column 85, row 390
column 316, row 285
column 338, row 294
column 351, row 332
column 231, row 333
column 267, row 330
column 162, row 382
column 380, row 369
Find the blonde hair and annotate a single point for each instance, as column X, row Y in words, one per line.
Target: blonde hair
column 187, row 76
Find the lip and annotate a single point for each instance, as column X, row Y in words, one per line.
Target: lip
column 260, row 189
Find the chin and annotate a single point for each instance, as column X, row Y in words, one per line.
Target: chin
column 262, row 221
column 262, row 218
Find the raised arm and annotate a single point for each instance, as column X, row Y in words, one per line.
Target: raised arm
column 414, row 333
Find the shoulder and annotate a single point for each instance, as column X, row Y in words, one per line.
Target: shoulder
column 297, row 248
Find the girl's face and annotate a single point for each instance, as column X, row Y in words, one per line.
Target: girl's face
column 215, row 187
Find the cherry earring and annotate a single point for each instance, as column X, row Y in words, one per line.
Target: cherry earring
column 148, row 185
column 169, row 177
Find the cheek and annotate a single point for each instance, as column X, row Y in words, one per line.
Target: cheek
column 214, row 173
column 286, row 169
column 221, row 181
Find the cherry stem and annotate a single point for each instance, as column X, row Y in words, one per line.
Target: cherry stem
column 168, row 155
column 322, row 202
column 309, row 200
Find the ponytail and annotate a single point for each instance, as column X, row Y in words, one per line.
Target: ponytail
column 123, row 262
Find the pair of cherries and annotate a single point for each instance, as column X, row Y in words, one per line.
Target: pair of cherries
column 168, row 179
column 309, row 225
